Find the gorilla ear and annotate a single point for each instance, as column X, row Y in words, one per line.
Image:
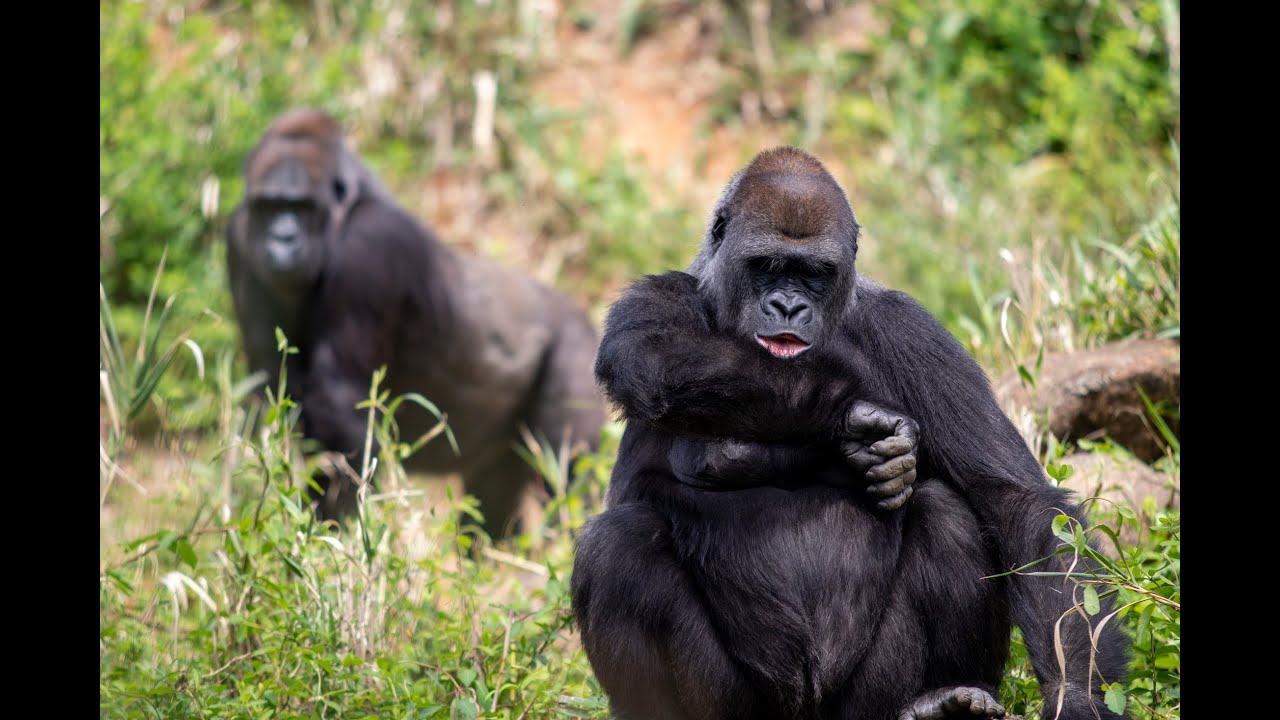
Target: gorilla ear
column 717, row 229
column 346, row 182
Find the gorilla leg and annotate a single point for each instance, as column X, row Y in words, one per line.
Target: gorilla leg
column 650, row 642
column 947, row 627
column 567, row 407
column 500, row 488
column 334, row 487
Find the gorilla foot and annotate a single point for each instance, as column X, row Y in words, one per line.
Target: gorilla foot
column 952, row 703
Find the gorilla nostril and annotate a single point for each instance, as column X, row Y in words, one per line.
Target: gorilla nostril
column 789, row 308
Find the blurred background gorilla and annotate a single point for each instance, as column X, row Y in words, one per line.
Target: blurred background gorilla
column 319, row 249
column 747, row 565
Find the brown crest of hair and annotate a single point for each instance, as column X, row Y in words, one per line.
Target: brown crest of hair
column 305, row 134
column 792, row 191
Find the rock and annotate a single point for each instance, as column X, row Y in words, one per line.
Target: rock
column 1124, row 481
column 1092, row 391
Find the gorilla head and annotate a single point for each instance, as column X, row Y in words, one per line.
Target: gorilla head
column 300, row 183
column 778, row 256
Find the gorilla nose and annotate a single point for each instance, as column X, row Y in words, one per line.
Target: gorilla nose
column 791, row 308
column 285, row 230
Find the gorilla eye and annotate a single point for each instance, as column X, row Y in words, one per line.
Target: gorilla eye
column 339, row 189
column 819, row 270
column 717, row 229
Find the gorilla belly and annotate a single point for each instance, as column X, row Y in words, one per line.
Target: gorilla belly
column 797, row 598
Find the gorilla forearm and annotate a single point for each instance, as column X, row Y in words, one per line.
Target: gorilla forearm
column 734, row 464
column 329, row 399
column 663, row 364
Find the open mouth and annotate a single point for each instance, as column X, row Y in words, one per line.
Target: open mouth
column 785, row 345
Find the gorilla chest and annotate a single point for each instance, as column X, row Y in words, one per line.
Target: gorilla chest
column 795, row 582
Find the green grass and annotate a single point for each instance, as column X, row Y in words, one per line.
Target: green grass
column 227, row 599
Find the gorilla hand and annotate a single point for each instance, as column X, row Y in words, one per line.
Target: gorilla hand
column 883, row 444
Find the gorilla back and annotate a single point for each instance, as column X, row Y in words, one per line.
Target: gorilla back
column 320, row 249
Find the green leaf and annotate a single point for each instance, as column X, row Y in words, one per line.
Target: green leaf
column 1026, row 376
column 1059, row 523
column 186, row 553
column 464, row 709
column 1059, row 472
column 1115, row 697
column 1091, row 605
column 1165, row 432
column 1168, row 661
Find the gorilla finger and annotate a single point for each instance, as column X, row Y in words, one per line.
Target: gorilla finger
column 893, row 446
column 892, row 486
column 892, row 468
column 861, row 460
column 986, row 705
column 896, row 501
column 899, row 484
column 849, row 447
column 960, row 699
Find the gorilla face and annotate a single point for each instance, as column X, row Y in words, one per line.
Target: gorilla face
column 287, row 227
column 777, row 265
column 790, row 299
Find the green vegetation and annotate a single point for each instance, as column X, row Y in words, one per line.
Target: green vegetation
column 1015, row 166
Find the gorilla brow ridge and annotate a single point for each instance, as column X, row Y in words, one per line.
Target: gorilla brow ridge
column 307, row 134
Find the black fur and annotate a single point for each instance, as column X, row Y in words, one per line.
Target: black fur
column 782, row 592
column 492, row 348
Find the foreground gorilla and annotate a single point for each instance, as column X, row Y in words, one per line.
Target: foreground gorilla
column 320, row 249
column 765, row 553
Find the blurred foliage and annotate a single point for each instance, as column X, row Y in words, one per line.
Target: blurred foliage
column 970, row 128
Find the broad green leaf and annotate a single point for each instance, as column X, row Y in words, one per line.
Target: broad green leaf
column 1115, row 697
column 1091, row 604
column 464, row 709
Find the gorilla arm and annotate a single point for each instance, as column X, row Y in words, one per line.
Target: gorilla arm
column 969, row 442
column 662, row 362
column 357, row 321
